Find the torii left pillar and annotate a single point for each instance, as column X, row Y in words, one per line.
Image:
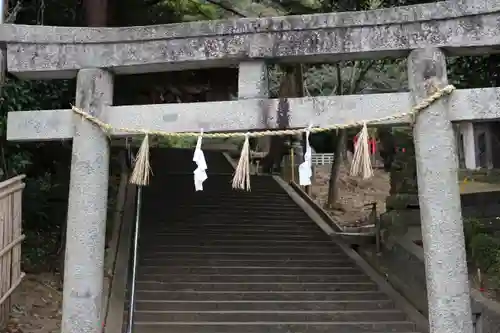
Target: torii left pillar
column 87, row 208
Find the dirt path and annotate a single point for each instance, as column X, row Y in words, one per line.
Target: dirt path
column 36, row 305
column 354, row 194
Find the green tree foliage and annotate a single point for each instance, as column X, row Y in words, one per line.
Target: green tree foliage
column 483, row 252
column 47, row 166
column 39, row 161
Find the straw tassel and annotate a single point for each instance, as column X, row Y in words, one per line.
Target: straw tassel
column 241, row 178
column 142, row 168
column 361, row 162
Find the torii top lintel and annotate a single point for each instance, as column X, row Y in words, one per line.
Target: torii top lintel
column 462, row 27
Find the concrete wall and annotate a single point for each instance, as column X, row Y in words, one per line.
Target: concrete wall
column 403, row 266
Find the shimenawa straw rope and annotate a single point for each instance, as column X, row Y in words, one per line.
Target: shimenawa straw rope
column 361, row 164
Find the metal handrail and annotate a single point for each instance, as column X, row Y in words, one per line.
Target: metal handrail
column 133, row 271
column 130, row 323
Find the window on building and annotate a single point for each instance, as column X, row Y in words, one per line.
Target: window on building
column 482, row 157
column 461, row 151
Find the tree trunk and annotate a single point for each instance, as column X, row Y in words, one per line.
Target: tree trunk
column 298, row 91
column 96, row 13
column 333, row 189
column 289, row 87
column 339, row 156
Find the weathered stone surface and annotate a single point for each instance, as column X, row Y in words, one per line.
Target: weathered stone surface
column 403, row 169
column 439, row 194
column 395, row 224
column 480, row 175
column 87, row 209
column 405, row 272
column 3, row 65
column 408, row 217
column 398, row 201
column 462, row 27
column 40, row 125
column 253, row 82
column 404, row 268
column 250, row 114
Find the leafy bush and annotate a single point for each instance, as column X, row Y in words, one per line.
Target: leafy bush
column 483, row 251
column 42, row 218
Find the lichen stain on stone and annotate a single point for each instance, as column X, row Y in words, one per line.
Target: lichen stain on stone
column 429, row 69
column 36, row 125
column 473, row 24
column 170, row 118
column 86, row 166
column 77, row 294
column 283, row 113
column 265, row 113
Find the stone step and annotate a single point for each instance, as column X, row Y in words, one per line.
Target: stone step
column 216, row 262
column 323, row 249
column 242, row 256
column 213, row 193
column 166, row 241
column 244, row 215
column 226, row 261
column 253, row 278
column 263, row 305
column 144, row 295
column 268, row 316
column 277, row 327
column 236, row 231
column 184, row 200
column 187, row 238
column 230, row 222
column 143, row 285
column 231, row 231
column 243, row 270
column 202, row 219
column 270, row 205
column 231, row 227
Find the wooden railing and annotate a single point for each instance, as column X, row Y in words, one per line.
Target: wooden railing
column 322, row 159
column 10, row 241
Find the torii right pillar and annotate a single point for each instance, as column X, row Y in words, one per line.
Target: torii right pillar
column 439, row 198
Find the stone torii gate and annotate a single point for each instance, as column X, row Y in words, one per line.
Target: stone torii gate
column 424, row 33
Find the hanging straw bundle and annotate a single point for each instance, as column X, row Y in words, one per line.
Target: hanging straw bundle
column 142, row 168
column 361, row 162
column 241, row 178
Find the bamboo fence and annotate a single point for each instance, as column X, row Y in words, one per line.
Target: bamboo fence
column 10, row 242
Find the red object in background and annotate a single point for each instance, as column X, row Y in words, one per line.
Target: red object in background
column 373, row 145
column 371, row 142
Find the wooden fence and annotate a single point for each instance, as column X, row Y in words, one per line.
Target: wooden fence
column 10, row 242
column 322, row 159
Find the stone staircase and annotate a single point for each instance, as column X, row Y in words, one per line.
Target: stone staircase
column 226, row 261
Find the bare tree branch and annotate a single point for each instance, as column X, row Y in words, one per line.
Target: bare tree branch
column 200, row 10
column 11, row 17
column 361, row 76
column 226, row 8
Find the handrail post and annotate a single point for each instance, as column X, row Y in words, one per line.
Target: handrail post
column 130, row 323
